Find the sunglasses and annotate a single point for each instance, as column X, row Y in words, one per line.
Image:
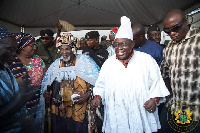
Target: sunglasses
column 175, row 28
column 44, row 38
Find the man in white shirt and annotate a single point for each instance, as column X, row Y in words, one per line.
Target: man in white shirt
column 130, row 87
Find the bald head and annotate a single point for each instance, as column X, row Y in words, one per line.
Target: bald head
column 174, row 13
column 138, row 29
column 138, row 35
column 176, row 24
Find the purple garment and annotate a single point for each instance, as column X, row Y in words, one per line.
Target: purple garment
column 66, row 125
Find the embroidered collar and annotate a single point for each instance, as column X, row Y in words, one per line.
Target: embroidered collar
column 125, row 63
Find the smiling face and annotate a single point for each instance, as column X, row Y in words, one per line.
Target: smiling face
column 123, row 48
column 154, row 36
column 66, row 52
column 28, row 50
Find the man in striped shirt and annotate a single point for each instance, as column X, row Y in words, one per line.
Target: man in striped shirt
column 180, row 70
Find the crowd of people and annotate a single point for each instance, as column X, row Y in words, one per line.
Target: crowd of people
column 129, row 83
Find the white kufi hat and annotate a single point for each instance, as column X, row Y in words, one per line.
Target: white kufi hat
column 125, row 30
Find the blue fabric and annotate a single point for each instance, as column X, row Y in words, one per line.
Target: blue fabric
column 23, row 40
column 153, row 49
column 4, row 33
column 8, row 89
column 18, row 69
column 86, row 69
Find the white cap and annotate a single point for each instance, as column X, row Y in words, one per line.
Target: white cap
column 125, row 30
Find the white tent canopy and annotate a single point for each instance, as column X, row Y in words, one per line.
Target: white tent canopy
column 85, row 14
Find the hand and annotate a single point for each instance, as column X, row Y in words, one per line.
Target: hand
column 150, row 106
column 26, row 88
column 95, row 103
column 47, row 94
column 59, row 27
column 81, row 99
column 25, row 85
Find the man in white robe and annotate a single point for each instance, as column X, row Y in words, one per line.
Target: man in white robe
column 130, row 86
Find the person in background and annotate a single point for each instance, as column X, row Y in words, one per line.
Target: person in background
column 70, row 77
column 111, row 49
column 83, row 43
column 144, row 45
column 154, row 34
column 47, row 50
column 13, row 97
column 98, row 54
column 104, row 43
column 181, row 70
column 103, row 38
column 48, row 53
column 130, row 86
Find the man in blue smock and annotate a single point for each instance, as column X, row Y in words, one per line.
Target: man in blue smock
column 12, row 97
column 144, row 45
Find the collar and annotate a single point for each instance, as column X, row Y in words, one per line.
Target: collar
column 125, row 63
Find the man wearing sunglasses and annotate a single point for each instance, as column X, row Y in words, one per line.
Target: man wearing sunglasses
column 47, row 49
column 180, row 70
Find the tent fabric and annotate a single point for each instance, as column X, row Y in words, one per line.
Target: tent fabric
column 85, row 14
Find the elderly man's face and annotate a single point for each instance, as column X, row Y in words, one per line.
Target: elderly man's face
column 123, row 48
column 8, row 48
column 176, row 26
column 66, row 52
column 154, row 36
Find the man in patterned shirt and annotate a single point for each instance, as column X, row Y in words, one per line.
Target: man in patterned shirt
column 180, row 70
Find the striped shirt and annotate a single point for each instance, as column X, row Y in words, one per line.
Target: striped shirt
column 181, row 65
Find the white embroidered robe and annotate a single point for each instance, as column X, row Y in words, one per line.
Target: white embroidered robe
column 124, row 92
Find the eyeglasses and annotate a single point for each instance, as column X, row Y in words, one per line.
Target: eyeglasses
column 32, row 45
column 123, row 45
column 175, row 28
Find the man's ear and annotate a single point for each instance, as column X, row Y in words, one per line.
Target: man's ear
column 148, row 36
column 97, row 40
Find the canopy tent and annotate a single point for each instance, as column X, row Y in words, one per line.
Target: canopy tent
column 85, row 14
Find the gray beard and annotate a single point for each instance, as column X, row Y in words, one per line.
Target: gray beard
column 68, row 59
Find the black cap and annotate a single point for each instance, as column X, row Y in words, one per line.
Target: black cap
column 92, row 35
column 46, row 33
column 153, row 27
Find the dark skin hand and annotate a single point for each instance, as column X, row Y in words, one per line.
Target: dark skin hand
column 150, row 106
column 95, row 103
column 82, row 98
